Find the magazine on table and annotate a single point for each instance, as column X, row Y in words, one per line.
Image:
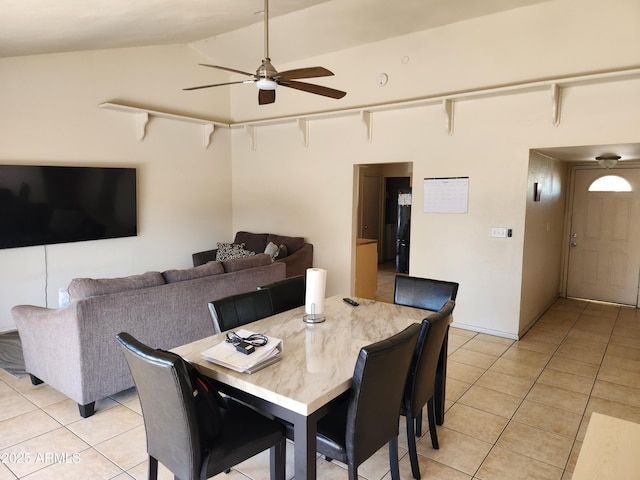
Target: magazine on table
column 226, row 354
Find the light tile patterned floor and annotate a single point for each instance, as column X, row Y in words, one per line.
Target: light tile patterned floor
column 386, row 282
column 515, row 410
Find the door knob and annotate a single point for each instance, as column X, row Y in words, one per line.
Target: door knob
column 573, row 244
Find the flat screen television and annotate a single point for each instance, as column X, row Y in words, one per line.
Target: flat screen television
column 43, row 205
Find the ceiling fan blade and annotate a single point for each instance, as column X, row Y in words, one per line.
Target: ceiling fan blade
column 218, row 85
column 317, row 89
column 266, row 96
column 309, row 72
column 268, row 74
column 227, row 69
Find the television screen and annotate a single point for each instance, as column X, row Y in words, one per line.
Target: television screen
column 42, row 205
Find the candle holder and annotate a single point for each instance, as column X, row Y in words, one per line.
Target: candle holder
column 313, row 317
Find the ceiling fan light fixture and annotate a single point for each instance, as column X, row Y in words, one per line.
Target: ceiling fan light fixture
column 266, row 84
column 608, row 161
column 267, row 78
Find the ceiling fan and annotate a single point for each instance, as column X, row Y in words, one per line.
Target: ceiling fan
column 267, row 78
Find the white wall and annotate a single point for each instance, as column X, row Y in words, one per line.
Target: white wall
column 543, row 238
column 283, row 185
column 49, row 115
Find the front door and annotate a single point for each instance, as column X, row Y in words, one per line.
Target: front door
column 604, row 253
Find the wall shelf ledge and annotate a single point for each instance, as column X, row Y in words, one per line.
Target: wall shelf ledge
column 366, row 112
column 142, row 116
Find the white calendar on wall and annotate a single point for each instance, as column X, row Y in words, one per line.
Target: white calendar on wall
column 446, row 195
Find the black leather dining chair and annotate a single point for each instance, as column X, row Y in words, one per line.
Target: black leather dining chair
column 287, row 294
column 421, row 382
column 368, row 417
column 425, row 293
column 428, row 294
column 230, row 312
column 174, row 430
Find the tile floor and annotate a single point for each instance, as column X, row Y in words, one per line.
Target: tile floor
column 386, row 281
column 515, row 410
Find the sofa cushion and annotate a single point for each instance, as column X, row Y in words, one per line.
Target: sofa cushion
column 293, row 244
column 227, row 251
column 255, row 242
column 90, row 287
column 282, row 252
column 235, row 264
column 210, row 268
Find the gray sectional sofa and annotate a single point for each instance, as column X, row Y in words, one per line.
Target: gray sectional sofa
column 74, row 348
column 294, row 252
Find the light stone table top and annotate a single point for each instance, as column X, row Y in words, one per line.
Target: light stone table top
column 317, row 359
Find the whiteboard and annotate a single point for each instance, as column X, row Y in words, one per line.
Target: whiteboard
column 446, row 195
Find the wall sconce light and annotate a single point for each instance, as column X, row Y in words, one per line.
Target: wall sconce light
column 608, row 161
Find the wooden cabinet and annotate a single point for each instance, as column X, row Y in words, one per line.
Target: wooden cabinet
column 366, row 268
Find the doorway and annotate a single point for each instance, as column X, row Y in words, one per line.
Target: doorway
column 377, row 209
column 604, row 248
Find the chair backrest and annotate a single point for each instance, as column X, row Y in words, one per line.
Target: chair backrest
column 168, row 407
column 376, row 393
column 231, row 312
column 287, row 294
column 425, row 293
column 421, row 380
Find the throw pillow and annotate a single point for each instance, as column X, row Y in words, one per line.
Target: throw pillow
column 227, row 251
column 272, row 249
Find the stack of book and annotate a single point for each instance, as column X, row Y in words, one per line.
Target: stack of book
column 225, row 354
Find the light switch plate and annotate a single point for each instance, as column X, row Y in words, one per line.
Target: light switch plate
column 499, row 232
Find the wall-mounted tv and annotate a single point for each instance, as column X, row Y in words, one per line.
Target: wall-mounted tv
column 43, row 205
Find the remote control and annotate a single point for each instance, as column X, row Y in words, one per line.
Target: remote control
column 351, row 302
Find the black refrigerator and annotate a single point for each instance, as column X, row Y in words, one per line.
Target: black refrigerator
column 404, row 229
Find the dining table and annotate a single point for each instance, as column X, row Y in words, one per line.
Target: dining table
column 316, row 365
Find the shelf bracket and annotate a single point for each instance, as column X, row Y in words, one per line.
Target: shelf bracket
column 556, row 100
column 252, row 132
column 207, row 133
column 142, row 118
column 303, row 125
column 367, row 118
column 448, row 105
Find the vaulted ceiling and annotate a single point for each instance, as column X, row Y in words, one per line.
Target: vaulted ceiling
column 31, row 27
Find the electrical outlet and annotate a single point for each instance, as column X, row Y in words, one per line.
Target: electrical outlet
column 499, row 232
